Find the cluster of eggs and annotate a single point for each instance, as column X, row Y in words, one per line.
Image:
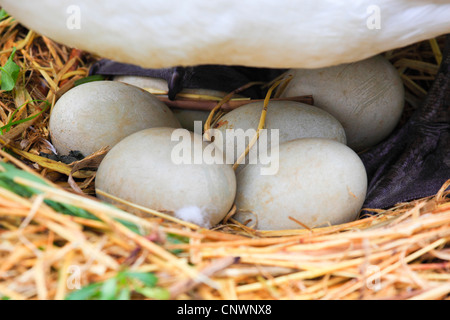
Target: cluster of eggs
column 156, row 162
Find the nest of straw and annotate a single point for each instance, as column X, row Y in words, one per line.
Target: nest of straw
column 56, row 237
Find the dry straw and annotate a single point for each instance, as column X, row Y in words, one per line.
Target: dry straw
column 400, row 253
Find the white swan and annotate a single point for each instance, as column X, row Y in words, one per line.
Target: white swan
column 261, row 33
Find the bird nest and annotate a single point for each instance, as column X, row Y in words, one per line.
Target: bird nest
column 57, row 241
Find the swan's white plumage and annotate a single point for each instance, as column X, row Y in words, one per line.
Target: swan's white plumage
column 278, row 34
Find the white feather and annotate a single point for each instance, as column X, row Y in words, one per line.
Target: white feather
column 263, row 33
column 195, row 215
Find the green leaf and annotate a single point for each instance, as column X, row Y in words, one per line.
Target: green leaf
column 147, row 278
column 9, row 73
column 130, row 225
column 154, row 293
column 96, row 77
column 14, row 187
column 124, row 294
column 3, row 14
column 176, row 239
column 118, row 288
column 10, row 172
column 8, row 126
column 86, row 293
column 70, row 210
column 108, row 290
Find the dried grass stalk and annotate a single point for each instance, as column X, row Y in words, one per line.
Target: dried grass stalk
column 399, row 253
